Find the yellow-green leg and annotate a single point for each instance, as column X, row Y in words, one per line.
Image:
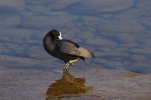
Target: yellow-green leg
column 66, row 68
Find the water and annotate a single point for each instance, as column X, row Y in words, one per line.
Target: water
column 118, row 33
column 119, row 36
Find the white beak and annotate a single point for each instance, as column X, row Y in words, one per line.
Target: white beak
column 60, row 36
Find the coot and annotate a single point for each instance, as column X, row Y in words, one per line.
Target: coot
column 63, row 49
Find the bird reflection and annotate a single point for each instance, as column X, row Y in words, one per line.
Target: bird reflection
column 68, row 86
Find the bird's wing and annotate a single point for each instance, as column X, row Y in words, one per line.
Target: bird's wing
column 69, row 47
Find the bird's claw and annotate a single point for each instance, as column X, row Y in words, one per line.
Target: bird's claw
column 72, row 64
column 66, row 68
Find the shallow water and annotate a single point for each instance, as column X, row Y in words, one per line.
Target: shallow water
column 119, row 36
column 118, row 33
column 27, row 79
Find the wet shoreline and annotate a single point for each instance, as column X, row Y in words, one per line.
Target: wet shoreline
column 31, row 82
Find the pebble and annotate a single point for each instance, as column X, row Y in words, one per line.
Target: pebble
column 9, row 20
column 86, row 35
column 100, row 60
column 98, row 6
column 87, row 29
column 139, row 67
column 145, row 21
column 99, row 54
column 105, row 49
column 8, row 5
column 140, row 50
column 145, row 4
column 113, row 64
column 69, row 32
column 89, row 19
column 117, row 53
column 36, row 2
column 62, row 4
column 46, row 22
column 128, row 14
column 138, row 58
column 121, row 26
column 125, row 37
column 30, row 42
column 37, row 8
column 101, row 41
column 5, row 39
column 17, row 40
column 19, row 33
column 130, row 45
column 39, row 35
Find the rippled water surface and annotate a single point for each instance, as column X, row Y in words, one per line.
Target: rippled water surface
column 117, row 32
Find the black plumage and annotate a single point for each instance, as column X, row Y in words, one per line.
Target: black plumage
column 63, row 49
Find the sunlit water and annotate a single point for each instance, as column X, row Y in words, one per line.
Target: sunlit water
column 119, row 36
column 117, row 32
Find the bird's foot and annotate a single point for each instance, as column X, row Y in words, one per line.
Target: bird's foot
column 72, row 64
column 66, row 68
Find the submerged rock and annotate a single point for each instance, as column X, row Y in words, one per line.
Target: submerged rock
column 9, row 5
column 47, row 22
column 98, row 6
column 138, row 58
column 101, row 41
column 128, row 14
column 125, row 37
column 121, row 26
column 9, row 20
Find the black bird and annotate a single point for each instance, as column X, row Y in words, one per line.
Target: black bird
column 63, row 49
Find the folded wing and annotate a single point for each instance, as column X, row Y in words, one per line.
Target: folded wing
column 69, row 47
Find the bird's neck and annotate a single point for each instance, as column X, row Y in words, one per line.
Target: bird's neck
column 49, row 45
